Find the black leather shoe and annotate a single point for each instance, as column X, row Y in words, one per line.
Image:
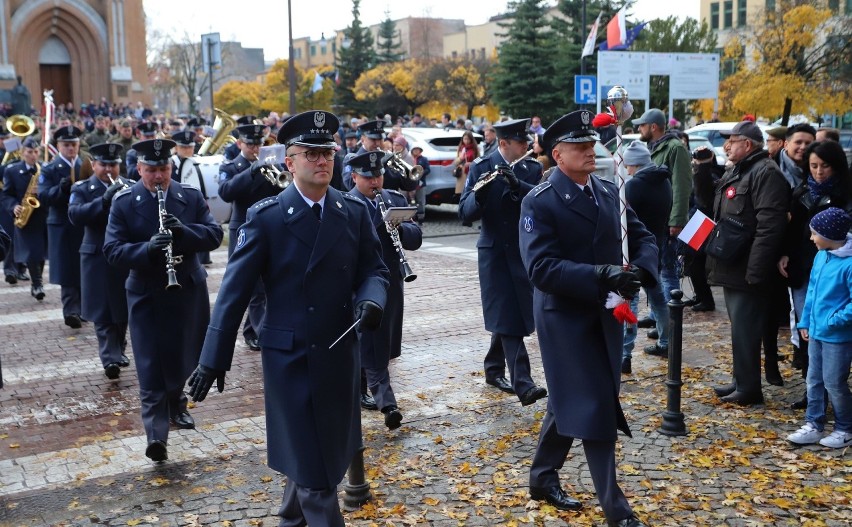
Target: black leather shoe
column 801, row 404
column 556, row 497
column 501, row 383
column 773, row 374
column 393, row 417
column 647, row 322
column 11, row 279
column 632, row 521
column 183, row 420
column 532, row 395
column 743, row 399
column 157, row 451
column 253, row 344
column 112, row 370
column 654, row 334
column 626, row 366
column 124, row 362
column 73, row 321
column 690, row 302
column 656, row 350
column 38, row 292
column 24, row 277
column 704, row 306
column 367, row 402
column 725, row 389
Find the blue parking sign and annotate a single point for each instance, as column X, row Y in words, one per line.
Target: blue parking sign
column 585, row 89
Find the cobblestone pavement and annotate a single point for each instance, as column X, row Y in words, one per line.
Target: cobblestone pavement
column 72, row 443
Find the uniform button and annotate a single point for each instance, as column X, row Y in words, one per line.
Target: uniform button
column 313, row 346
column 311, row 309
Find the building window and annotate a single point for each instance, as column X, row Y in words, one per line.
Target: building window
column 455, row 54
column 714, row 15
column 834, row 5
column 298, row 53
column 728, row 21
column 333, row 48
column 313, row 50
column 770, row 5
column 482, row 53
column 323, row 50
column 121, row 90
column 741, row 13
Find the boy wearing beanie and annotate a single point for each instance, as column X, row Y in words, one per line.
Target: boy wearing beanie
column 827, row 326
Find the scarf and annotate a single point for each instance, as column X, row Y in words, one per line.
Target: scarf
column 819, row 190
column 791, row 172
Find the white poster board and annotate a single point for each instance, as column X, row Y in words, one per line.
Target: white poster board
column 694, row 76
column 629, row 69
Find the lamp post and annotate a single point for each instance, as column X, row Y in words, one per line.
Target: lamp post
column 291, row 67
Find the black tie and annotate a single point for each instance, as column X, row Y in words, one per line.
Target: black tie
column 588, row 190
column 317, row 208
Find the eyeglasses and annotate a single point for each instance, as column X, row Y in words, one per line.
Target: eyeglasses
column 732, row 141
column 312, row 156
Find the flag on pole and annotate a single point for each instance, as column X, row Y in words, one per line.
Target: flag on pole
column 317, row 85
column 616, row 30
column 632, row 34
column 696, row 230
column 589, row 47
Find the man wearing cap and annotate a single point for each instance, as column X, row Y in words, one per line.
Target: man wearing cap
column 372, row 134
column 63, row 238
column 124, row 137
column 103, row 298
column 185, row 170
column 420, row 193
column 379, row 346
column 11, row 270
column 667, row 149
column 166, row 326
column 775, row 142
column 234, row 149
column 571, row 246
column 750, row 210
column 503, row 283
column 145, row 131
column 351, row 140
column 318, row 255
column 242, row 184
column 101, row 132
column 29, row 241
column 196, row 125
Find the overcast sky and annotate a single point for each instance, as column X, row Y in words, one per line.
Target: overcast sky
column 263, row 24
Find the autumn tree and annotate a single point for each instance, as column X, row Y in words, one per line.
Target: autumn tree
column 276, row 92
column 239, row 97
column 353, row 60
column 465, row 83
column 395, row 88
column 797, row 60
column 389, row 49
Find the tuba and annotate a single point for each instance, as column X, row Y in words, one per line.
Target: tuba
column 20, row 126
column 395, row 162
column 30, row 201
column 222, row 125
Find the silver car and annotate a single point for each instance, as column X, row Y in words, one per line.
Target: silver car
column 439, row 147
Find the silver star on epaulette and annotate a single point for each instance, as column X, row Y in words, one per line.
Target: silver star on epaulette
column 290, row 210
column 567, row 196
column 180, row 195
column 92, row 187
column 138, row 198
column 339, row 206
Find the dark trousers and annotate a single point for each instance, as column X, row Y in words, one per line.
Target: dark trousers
column 495, row 360
column 747, row 312
column 256, row 312
column 70, row 301
column 315, row 507
column 518, row 361
column 600, row 455
column 110, row 339
column 9, row 265
column 36, row 270
column 158, row 406
column 698, row 275
column 378, row 380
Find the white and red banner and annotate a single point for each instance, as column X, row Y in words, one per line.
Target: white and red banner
column 616, row 30
column 697, row 230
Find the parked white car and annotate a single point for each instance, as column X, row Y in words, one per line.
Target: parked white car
column 711, row 132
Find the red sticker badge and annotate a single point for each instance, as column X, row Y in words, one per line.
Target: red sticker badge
column 731, row 192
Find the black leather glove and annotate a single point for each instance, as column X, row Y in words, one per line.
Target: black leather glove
column 370, row 315
column 645, row 278
column 158, row 242
column 173, row 224
column 615, row 278
column 111, row 192
column 506, row 173
column 257, row 164
column 65, row 184
column 201, row 381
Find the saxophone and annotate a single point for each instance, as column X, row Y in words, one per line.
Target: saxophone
column 30, row 201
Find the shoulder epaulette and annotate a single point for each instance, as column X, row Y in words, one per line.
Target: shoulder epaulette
column 541, row 187
column 264, row 203
column 81, row 182
column 122, row 192
column 395, row 192
column 188, row 186
column 479, row 160
column 532, row 160
column 350, row 196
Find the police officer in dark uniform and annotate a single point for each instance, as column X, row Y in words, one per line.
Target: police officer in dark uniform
column 505, row 287
column 570, row 238
column 378, row 347
column 63, row 238
column 196, row 125
column 185, row 167
column 317, row 253
column 234, row 149
column 12, row 270
column 145, row 131
column 29, row 245
column 166, row 326
column 372, row 133
column 104, row 299
column 242, row 184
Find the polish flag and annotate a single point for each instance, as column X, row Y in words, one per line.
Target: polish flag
column 616, row 30
column 696, row 230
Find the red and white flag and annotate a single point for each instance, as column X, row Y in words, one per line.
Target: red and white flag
column 616, row 30
column 589, row 47
column 697, row 230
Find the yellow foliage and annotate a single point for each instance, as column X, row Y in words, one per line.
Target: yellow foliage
column 239, row 97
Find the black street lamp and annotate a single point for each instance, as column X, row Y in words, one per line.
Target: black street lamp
column 291, row 66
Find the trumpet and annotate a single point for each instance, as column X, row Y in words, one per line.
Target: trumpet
column 491, row 176
column 407, row 274
column 124, row 184
column 395, row 162
column 278, row 178
column 171, row 260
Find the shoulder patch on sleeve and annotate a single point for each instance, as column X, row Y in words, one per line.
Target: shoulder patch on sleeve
column 541, row 187
column 264, row 203
column 122, row 192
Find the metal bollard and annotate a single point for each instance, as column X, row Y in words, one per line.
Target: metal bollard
column 356, row 490
column 673, row 424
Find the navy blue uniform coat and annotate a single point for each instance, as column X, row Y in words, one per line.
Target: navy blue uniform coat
column 166, row 327
column 378, row 347
column 563, row 236
column 63, row 238
column 241, row 189
column 102, row 292
column 503, row 283
column 29, row 243
column 314, row 274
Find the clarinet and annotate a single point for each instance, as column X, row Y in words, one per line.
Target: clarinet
column 170, row 259
column 407, row 274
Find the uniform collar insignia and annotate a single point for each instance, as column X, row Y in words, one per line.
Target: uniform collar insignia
column 339, row 206
column 290, row 210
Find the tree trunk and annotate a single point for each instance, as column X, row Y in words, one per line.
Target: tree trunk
column 788, row 106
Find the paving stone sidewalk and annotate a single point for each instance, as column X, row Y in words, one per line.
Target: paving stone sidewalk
column 72, row 443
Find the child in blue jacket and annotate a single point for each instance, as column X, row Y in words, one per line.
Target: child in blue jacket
column 827, row 326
